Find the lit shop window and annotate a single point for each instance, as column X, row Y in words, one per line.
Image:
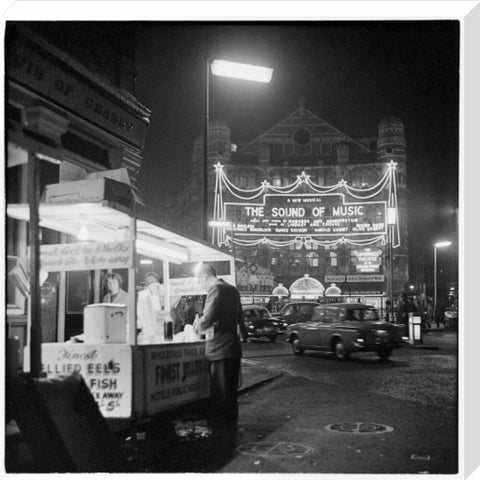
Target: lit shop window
column 277, row 180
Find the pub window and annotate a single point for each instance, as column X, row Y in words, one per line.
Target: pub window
column 277, row 181
column 312, row 259
column 277, row 148
column 316, row 148
column 333, row 259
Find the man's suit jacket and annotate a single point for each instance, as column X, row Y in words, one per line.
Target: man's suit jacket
column 223, row 311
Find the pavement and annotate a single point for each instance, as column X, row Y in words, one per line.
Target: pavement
column 293, row 424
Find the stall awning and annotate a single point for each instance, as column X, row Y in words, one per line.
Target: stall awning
column 109, row 222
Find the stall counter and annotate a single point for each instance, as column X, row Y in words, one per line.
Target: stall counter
column 133, row 381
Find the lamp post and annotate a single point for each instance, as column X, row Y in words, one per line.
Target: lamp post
column 437, row 245
column 223, row 68
column 391, row 221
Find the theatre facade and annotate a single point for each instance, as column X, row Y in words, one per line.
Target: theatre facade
column 305, row 200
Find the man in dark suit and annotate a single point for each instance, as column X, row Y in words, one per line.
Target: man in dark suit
column 222, row 313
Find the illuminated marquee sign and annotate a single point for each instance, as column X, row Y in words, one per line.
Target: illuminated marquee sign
column 305, row 215
column 367, row 260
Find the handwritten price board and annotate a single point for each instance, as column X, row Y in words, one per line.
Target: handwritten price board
column 106, row 369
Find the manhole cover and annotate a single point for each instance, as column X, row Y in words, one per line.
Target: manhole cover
column 275, row 449
column 358, row 428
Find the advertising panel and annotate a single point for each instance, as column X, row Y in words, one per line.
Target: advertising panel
column 367, row 260
column 106, row 369
column 190, row 285
column 307, row 215
column 86, row 256
column 355, row 278
column 175, row 374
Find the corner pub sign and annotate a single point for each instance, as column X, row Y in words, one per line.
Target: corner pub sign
column 53, row 80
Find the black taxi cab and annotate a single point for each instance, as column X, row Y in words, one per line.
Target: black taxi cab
column 345, row 328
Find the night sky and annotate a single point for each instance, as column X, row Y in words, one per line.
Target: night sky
column 352, row 75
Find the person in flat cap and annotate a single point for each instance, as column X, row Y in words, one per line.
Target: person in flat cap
column 223, row 312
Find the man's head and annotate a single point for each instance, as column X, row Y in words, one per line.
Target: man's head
column 206, row 275
column 151, row 277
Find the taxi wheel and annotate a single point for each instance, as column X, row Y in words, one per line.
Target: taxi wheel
column 272, row 338
column 340, row 351
column 297, row 347
column 385, row 353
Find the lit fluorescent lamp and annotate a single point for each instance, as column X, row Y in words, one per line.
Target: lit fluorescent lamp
column 446, row 243
column 83, row 235
column 242, row 71
column 391, row 215
column 220, row 223
column 145, row 261
column 157, row 250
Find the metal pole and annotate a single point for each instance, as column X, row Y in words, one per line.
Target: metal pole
column 390, row 267
column 206, row 127
column 434, row 278
column 34, row 241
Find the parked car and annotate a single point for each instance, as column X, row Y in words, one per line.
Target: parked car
column 294, row 312
column 344, row 328
column 260, row 323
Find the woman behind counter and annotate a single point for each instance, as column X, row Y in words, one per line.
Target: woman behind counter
column 114, row 283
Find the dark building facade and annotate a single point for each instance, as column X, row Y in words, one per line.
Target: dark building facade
column 303, row 142
column 70, row 106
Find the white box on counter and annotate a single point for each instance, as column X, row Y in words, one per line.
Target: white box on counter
column 105, row 323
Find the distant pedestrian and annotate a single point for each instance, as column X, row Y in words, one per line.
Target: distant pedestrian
column 430, row 312
column 402, row 310
column 440, row 314
column 422, row 310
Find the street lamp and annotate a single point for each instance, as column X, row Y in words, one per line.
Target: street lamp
column 223, row 68
column 446, row 243
column 391, row 222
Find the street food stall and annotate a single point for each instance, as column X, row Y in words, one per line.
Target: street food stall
column 131, row 375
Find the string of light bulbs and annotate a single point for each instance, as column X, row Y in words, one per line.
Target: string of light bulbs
column 219, row 234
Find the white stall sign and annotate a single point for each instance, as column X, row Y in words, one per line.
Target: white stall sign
column 106, row 369
column 190, row 286
column 175, row 375
column 86, row 256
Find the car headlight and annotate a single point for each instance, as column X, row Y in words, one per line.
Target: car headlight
column 251, row 327
column 360, row 340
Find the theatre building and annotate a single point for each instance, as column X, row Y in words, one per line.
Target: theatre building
column 70, row 111
column 304, row 159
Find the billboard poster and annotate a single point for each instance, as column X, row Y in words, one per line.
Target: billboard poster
column 175, row 374
column 307, row 215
